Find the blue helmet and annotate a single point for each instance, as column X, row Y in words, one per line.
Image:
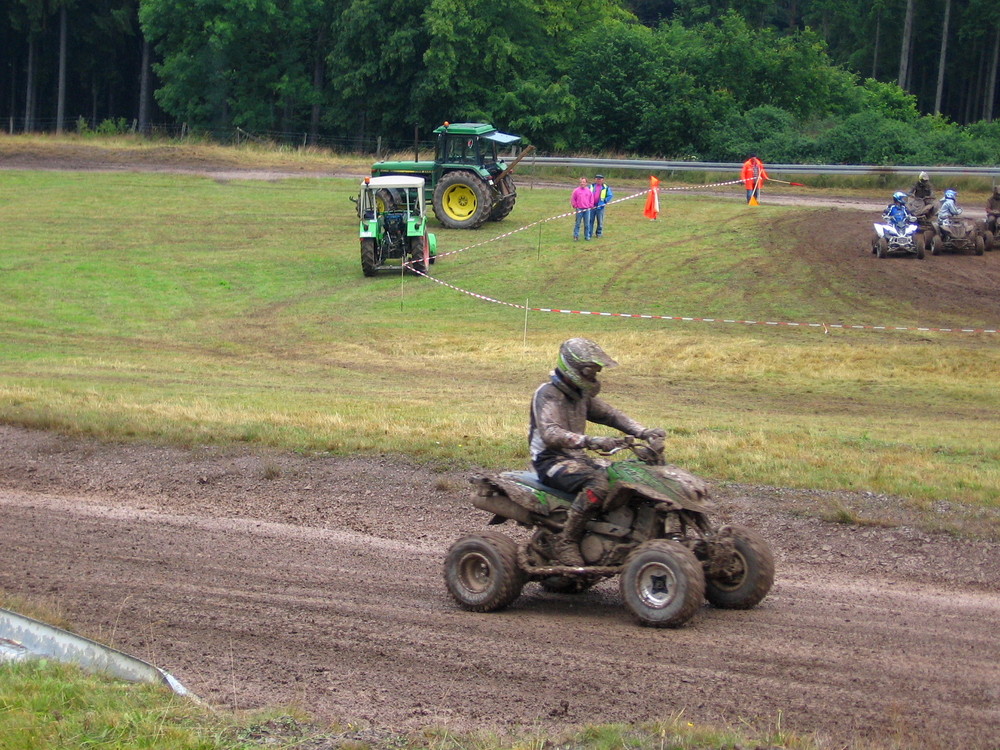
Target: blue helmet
column 950, row 194
column 899, row 196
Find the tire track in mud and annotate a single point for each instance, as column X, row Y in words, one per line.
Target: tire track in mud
column 357, row 626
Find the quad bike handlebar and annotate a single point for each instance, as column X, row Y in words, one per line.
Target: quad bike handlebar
column 649, row 450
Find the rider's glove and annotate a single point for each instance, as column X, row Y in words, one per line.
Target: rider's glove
column 652, row 432
column 605, row 444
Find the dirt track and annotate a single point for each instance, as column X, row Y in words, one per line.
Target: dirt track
column 307, row 588
column 270, row 579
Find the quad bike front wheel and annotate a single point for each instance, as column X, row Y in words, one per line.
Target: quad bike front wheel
column 882, row 249
column 481, row 572
column 462, row 200
column 980, row 245
column 746, row 578
column 662, row 583
column 918, row 244
column 937, row 245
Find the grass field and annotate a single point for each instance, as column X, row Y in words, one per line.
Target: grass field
column 166, row 308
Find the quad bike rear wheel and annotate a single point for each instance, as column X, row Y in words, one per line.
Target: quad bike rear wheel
column 481, row 572
column 462, row 200
column 662, row 583
column 368, row 264
column 747, row 577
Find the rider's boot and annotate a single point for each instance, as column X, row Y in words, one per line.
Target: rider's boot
column 566, row 545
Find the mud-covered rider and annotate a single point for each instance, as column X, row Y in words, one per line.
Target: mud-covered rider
column 896, row 213
column 922, row 205
column 993, row 210
column 560, row 410
column 949, row 209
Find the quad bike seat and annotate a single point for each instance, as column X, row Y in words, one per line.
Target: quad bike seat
column 531, row 479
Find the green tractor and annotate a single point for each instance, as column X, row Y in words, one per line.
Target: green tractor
column 394, row 225
column 468, row 183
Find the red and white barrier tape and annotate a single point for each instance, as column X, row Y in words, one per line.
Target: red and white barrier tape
column 827, row 327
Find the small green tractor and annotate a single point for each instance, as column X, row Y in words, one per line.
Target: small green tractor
column 468, row 183
column 394, row 225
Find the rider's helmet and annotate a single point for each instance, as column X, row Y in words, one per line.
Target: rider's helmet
column 580, row 360
column 922, row 177
column 950, row 194
column 899, row 196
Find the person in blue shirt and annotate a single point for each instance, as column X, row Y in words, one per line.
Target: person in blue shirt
column 602, row 196
column 896, row 212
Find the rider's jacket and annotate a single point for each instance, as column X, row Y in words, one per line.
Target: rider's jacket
column 897, row 215
column 948, row 209
column 993, row 203
column 559, row 415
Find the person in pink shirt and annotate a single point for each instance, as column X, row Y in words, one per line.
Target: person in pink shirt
column 582, row 201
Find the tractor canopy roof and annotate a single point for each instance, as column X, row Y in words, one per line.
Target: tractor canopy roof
column 482, row 129
column 393, row 181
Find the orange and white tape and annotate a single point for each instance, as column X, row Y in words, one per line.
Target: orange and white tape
column 827, row 327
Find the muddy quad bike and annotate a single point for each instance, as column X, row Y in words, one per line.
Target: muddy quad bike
column 890, row 239
column 924, row 212
column 957, row 235
column 653, row 531
column 394, row 225
column 990, row 229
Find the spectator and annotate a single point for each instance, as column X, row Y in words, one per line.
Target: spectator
column 753, row 175
column 602, row 196
column 582, row 201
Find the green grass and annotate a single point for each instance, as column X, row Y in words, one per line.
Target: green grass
column 187, row 310
column 50, row 706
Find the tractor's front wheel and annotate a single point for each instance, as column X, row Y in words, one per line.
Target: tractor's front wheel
column 505, row 203
column 462, row 200
column 368, row 264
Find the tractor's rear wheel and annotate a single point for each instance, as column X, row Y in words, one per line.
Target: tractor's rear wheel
column 462, row 200
column 504, row 204
column 385, row 200
column 368, row 264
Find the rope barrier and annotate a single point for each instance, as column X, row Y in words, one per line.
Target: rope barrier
column 827, row 327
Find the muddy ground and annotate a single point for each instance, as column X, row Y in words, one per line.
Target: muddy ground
column 262, row 579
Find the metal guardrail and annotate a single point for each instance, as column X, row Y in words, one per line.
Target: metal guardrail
column 652, row 165
column 24, row 637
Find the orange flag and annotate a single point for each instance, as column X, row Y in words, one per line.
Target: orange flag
column 652, row 209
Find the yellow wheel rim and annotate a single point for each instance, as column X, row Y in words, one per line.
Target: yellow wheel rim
column 459, row 202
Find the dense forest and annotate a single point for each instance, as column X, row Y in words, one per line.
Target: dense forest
column 861, row 81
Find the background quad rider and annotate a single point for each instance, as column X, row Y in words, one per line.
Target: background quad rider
column 896, row 213
column 993, row 210
column 922, row 204
column 949, row 210
column 560, row 410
